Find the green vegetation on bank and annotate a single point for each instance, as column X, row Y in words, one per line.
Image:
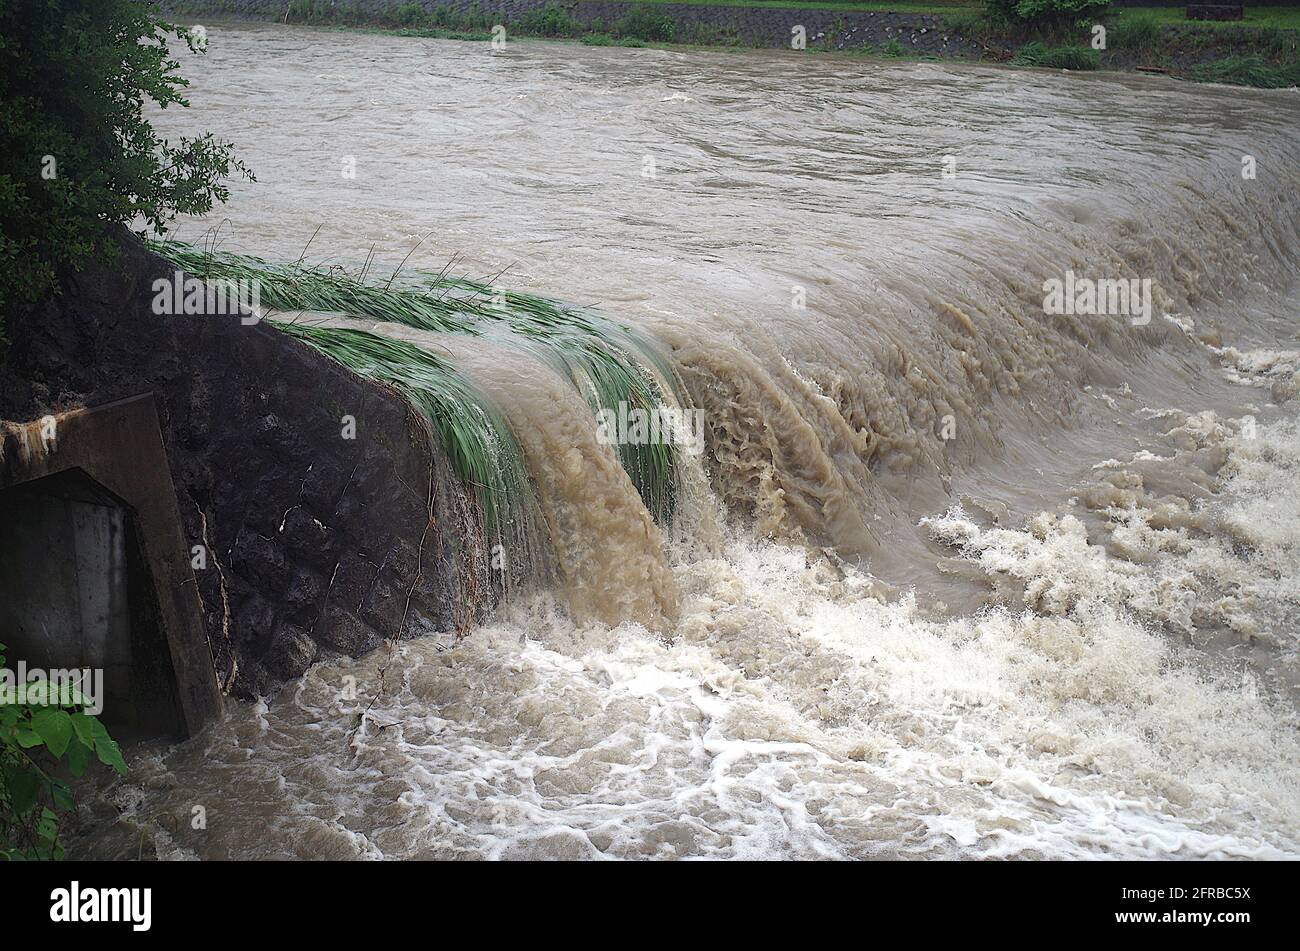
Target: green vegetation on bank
column 76, row 154
column 1286, row 18
column 1248, row 71
column 1283, row 17
column 79, row 157
column 641, row 23
column 1035, row 53
column 44, row 732
column 479, row 445
column 1047, row 15
column 326, row 11
column 1048, row 33
column 1064, row 34
column 607, row 362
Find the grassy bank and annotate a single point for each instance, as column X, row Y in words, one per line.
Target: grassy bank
column 1282, row 17
column 1155, row 39
column 1262, row 51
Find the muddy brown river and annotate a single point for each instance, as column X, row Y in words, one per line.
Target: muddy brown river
column 958, row 575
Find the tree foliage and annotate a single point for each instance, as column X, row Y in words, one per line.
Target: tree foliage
column 1050, row 15
column 76, row 152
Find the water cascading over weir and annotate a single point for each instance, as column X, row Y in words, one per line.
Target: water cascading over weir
column 202, row 504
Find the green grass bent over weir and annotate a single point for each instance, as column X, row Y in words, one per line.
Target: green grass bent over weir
column 607, row 362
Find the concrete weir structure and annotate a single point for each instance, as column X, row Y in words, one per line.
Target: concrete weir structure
column 94, row 568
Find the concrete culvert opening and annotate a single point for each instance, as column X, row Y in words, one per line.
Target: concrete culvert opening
column 78, row 594
column 95, row 569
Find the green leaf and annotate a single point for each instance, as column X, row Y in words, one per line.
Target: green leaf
column 27, row 737
column 62, row 795
column 110, row 754
column 78, row 757
column 54, row 726
column 91, row 732
column 24, row 785
column 48, row 826
column 84, row 726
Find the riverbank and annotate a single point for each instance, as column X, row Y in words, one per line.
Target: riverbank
column 1264, row 51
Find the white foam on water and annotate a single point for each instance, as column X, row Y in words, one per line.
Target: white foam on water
column 796, row 714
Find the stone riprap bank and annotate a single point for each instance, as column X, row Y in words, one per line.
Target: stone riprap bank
column 750, row 26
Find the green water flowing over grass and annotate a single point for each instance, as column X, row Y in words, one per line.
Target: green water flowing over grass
column 607, row 362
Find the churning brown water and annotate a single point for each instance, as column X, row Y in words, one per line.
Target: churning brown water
column 955, row 576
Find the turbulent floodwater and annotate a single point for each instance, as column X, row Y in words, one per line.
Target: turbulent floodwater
column 1070, row 629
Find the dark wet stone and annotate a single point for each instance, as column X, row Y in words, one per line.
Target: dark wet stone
column 345, row 632
column 292, row 652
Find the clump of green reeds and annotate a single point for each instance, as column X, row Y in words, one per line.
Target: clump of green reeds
column 298, row 287
column 1036, row 53
column 1135, row 32
column 1250, row 70
column 607, row 362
